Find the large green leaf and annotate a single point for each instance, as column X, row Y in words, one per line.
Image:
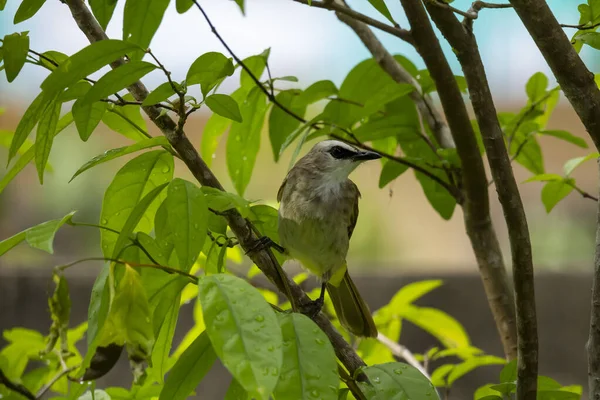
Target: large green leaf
column 220, row 200
column 28, row 121
column 103, row 11
column 28, row 156
column 244, row 332
column 592, row 39
column 225, row 106
column 536, row 86
column 45, row 136
column 183, row 5
column 213, row 130
column 187, row 219
column 318, row 91
column 244, row 140
column 134, row 218
column 136, row 179
column 208, row 69
column 27, row 9
column 281, row 124
column 413, row 291
column 309, row 368
column 573, row 163
column 14, row 51
column 527, row 149
column 256, row 64
column 42, row 236
column 566, row 136
column 117, row 79
column 126, row 120
column 397, row 381
column 554, row 191
column 439, row 324
column 390, row 171
column 121, row 151
column 141, row 19
column 87, row 116
column 86, row 61
column 190, row 368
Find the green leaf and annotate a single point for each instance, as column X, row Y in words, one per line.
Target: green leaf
column 75, row 91
column 27, row 9
column 141, row 20
column 103, row 11
column 282, row 125
column 287, row 78
column 126, row 120
column 240, row 4
column 87, row 116
column 213, row 130
column 164, row 340
column 555, row 191
column 45, row 136
column 509, row 372
column 439, row 324
column 566, row 136
column 28, row 156
column 309, row 368
column 390, row 171
column 225, row 106
column 244, row 140
column 487, row 393
column 413, row 291
column 256, row 65
column 220, row 200
column 131, row 183
column 236, row 392
column 190, row 369
column 545, row 178
column 117, row 79
column 134, row 218
column 86, row 61
column 318, row 91
column 380, row 6
column 386, row 95
column 42, row 236
column 265, row 219
column 12, row 241
column 183, row 5
column 536, row 87
column 402, row 125
column 14, row 51
column 121, row 151
column 2, row 5
column 52, row 59
column 470, row 364
column 244, row 332
column 97, row 395
column 208, row 69
column 130, row 314
column 28, row 121
column 573, row 163
column 592, row 39
column 187, row 219
column 161, row 93
column 529, row 152
column 396, row 381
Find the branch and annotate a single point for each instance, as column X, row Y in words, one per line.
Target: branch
column 574, row 78
column 582, row 192
column 593, row 344
column 54, row 380
column 581, row 27
column 16, row 387
column 476, row 208
column 473, row 12
column 465, row 48
column 333, row 6
column 241, row 228
column 402, row 352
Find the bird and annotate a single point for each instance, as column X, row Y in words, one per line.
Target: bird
column 317, row 214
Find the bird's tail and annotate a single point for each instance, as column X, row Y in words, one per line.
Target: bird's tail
column 351, row 309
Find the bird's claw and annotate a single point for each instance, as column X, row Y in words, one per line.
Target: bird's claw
column 313, row 308
column 264, row 243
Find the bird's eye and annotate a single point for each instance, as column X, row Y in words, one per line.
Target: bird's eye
column 340, row 152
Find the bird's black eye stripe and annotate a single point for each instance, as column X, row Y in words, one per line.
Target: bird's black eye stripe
column 341, row 152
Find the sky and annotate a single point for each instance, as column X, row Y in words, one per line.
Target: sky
column 309, row 43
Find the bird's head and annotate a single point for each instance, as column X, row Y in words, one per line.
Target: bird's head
column 337, row 159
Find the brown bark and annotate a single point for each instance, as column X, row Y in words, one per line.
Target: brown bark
column 593, row 344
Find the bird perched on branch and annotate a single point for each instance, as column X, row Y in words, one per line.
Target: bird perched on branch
column 317, row 215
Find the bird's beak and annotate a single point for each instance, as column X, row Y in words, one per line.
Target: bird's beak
column 366, row 155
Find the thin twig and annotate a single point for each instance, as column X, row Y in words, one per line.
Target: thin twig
column 123, row 102
column 473, row 12
column 16, row 387
column 581, row 27
column 54, row 380
column 402, row 352
column 333, row 6
column 582, row 192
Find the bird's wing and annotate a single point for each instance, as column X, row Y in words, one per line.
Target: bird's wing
column 354, row 212
column 280, row 191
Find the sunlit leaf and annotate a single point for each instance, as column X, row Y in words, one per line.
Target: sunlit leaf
column 554, row 191
column 45, row 136
column 309, row 366
column 244, row 332
column 27, row 9
column 566, row 136
column 117, row 79
column 14, row 50
column 190, row 368
column 244, row 140
column 573, row 163
column 256, row 65
column 545, row 178
column 141, row 19
column 208, row 69
column 136, row 179
column 28, row 121
column 187, row 219
column 225, row 106
column 87, row 116
column 439, row 324
column 281, row 125
column 592, row 39
column 121, row 151
column 536, row 86
column 413, row 291
column 220, row 200
column 126, row 120
column 470, row 364
column 318, row 91
column 42, row 236
column 161, row 93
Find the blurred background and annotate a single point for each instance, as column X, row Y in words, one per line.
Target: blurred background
column 398, row 233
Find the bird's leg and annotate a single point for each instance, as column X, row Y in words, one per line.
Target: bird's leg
column 313, row 308
column 264, row 243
